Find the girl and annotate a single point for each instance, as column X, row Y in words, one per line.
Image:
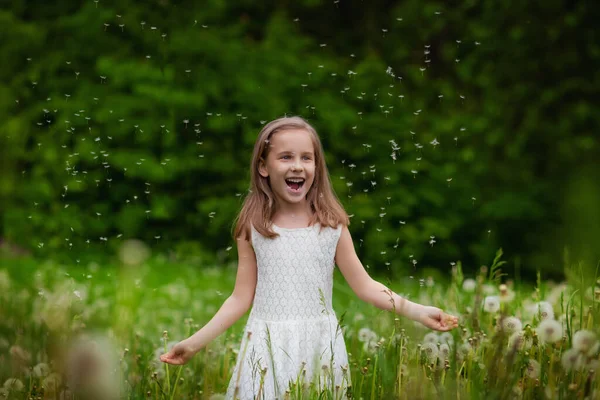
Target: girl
column 290, row 233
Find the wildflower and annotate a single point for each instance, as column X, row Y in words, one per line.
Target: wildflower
column 512, row 324
column 491, row 304
column 533, row 369
column 586, row 342
column 544, row 310
column 506, row 295
column 366, row 335
column 133, row 252
column 431, row 351
column 488, row 289
column 41, row 370
column 13, row 384
column 549, row 331
column 469, row 285
column 572, row 359
column 358, row 317
column 519, row 341
column 447, row 338
column 444, row 351
column 431, row 337
column 554, row 296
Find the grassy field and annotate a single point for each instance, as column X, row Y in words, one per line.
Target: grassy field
column 514, row 341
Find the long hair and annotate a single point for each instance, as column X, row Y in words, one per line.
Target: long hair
column 260, row 204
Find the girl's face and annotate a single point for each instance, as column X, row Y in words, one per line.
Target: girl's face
column 290, row 165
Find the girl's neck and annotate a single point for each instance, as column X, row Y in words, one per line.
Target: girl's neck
column 294, row 217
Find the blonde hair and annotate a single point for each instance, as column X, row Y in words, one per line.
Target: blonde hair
column 260, row 206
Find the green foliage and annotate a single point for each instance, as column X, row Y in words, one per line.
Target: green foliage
column 122, row 120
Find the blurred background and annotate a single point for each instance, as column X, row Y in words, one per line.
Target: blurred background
column 451, row 129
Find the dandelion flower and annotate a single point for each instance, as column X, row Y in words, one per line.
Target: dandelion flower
column 544, row 310
column 571, row 359
column 41, row 370
column 491, row 304
column 469, row 285
column 549, row 331
column 366, row 335
column 444, row 351
column 519, row 341
column 431, row 337
column 585, row 341
column 512, row 324
column 217, row 396
column 488, row 289
column 446, row 337
column 13, row 384
column 431, row 351
column 533, row 369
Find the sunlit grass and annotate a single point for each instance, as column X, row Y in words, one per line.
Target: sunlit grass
column 514, row 341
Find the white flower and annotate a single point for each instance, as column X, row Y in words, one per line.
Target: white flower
column 519, row 341
column 370, row 347
column 431, row 337
column 544, row 310
column 572, row 359
column 491, row 304
column 533, row 369
column 488, row 289
column 585, row 341
column 507, row 296
column 512, row 324
column 366, row 335
column 444, row 351
column 469, row 285
column 13, row 384
column 549, row 331
column 431, row 351
column 446, row 337
column 41, row 370
column 358, row 317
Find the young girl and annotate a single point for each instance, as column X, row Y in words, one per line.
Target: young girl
column 290, row 233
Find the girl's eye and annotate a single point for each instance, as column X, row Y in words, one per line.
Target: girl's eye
column 286, row 157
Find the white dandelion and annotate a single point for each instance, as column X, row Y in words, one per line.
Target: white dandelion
column 447, row 338
column 491, row 304
column 519, row 341
column 431, row 351
column 444, row 351
column 13, row 385
column 41, row 370
column 366, row 335
column 585, row 341
column 512, row 324
column 533, row 369
column 431, row 337
column 572, row 359
column 544, row 310
column 549, row 331
column 469, row 285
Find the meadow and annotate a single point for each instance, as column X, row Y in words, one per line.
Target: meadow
column 514, row 340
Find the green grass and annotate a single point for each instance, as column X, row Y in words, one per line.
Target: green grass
column 44, row 307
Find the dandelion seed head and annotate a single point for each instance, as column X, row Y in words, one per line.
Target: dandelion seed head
column 491, row 304
column 550, row 331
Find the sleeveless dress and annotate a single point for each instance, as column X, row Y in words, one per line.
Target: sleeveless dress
column 292, row 338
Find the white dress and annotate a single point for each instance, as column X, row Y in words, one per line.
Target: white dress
column 292, row 326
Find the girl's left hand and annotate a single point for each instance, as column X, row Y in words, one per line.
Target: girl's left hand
column 434, row 318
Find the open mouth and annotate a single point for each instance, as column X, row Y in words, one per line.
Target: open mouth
column 295, row 184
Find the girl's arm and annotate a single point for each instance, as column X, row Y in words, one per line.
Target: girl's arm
column 236, row 305
column 377, row 294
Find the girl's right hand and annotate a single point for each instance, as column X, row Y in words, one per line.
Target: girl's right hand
column 179, row 354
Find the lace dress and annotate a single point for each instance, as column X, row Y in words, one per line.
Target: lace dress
column 292, row 338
